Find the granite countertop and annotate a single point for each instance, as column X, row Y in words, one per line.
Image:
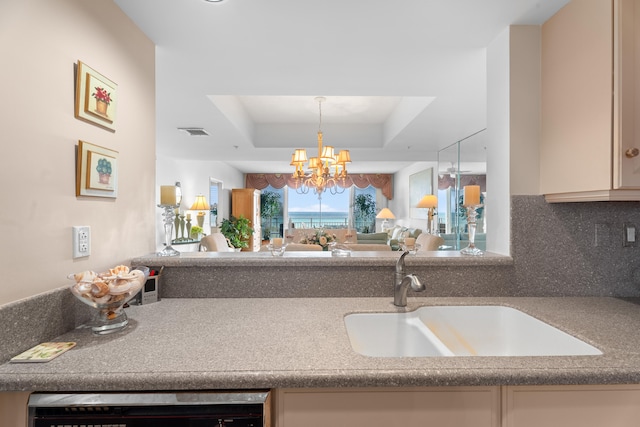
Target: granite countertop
column 324, row 259
column 236, row 343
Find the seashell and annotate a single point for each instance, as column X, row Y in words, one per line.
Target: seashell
column 85, row 276
column 102, row 300
column 83, row 287
column 119, row 286
column 99, row 288
column 119, row 270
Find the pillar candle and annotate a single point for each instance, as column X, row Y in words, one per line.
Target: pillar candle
column 410, row 241
column 188, row 215
column 471, row 195
column 168, row 195
column 276, row 242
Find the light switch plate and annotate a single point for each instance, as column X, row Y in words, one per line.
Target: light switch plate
column 630, row 236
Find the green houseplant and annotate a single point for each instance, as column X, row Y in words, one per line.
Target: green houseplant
column 365, row 212
column 269, row 208
column 237, row 230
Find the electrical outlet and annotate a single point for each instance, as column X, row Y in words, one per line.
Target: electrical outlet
column 81, row 241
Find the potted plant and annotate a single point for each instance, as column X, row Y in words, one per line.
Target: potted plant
column 103, row 99
column 269, row 207
column 365, row 212
column 237, row 231
column 104, row 170
column 196, row 232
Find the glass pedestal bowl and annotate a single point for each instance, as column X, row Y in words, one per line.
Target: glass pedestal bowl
column 107, row 293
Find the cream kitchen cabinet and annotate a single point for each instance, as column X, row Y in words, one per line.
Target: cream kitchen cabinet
column 246, row 202
column 590, row 114
column 572, row 406
column 385, row 407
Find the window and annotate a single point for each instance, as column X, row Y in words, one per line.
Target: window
column 354, row 208
column 310, row 211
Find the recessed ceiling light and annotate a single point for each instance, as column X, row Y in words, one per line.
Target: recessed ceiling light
column 213, row 1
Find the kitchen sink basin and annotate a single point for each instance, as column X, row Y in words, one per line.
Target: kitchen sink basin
column 451, row 331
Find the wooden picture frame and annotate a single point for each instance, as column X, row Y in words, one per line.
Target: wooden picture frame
column 96, row 171
column 96, row 98
column 420, row 184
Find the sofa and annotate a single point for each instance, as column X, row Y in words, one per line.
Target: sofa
column 372, row 238
column 398, row 233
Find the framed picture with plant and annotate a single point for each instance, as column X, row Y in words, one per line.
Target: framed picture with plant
column 96, row 98
column 96, row 171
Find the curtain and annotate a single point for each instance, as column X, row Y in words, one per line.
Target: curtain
column 384, row 182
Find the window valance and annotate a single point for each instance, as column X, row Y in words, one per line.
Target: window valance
column 278, row 180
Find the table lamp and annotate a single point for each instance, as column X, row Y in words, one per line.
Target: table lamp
column 386, row 215
column 430, row 202
column 200, row 205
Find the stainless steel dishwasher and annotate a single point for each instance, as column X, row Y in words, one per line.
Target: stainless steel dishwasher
column 174, row 409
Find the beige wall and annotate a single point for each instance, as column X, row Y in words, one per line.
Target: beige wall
column 40, row 41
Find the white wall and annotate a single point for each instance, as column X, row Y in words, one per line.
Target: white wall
column 498, row 200
column 193, row 176
column 400, row 203
column 525, row 94
column 40, row 41
column 513, row 124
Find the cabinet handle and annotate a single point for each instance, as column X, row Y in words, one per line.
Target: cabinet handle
column 632, row 152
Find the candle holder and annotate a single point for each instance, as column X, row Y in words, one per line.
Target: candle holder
column 169, row 217
column 188, row 228
column 432, row 221
column 176, row 223
column 471, row 225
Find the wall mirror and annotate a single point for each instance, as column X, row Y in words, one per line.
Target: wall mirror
column 462, row 163
column 215, row 201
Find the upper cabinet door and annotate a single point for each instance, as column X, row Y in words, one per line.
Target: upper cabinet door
column 626, row 67
column 588, row 99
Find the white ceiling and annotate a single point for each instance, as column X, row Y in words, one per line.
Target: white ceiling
column 402, row 78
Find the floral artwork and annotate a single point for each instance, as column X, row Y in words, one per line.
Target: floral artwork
column 321, row 238
column 100, row 170
column 103, row 99
column 96, row 171
column 96, row 98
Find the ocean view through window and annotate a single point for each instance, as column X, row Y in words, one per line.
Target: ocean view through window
column 309, row 211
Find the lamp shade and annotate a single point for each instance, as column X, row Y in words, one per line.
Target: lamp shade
column 428, row 201
column 299, row 156
column 200, row 204
column 386, row 214
column 344, row 156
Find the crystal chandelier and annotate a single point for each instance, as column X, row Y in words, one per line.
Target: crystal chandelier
column 318, row 176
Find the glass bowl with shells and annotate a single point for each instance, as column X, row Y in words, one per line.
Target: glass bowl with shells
column 108, row 292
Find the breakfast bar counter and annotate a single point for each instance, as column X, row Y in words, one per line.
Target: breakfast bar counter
column 240, row 343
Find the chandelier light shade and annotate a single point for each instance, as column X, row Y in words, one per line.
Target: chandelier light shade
column 200, row 205
column 317, row 174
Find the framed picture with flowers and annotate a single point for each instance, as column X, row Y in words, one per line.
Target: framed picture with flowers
column 96, row 171
column 96, row 98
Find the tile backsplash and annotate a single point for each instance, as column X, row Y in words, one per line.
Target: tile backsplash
column 573, row 248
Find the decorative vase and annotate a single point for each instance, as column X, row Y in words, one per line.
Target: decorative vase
column 101, row 107
column 104, row 178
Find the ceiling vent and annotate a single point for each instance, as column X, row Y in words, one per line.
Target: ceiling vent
column 195, row 131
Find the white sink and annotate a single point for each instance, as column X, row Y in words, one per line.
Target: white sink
column 460, row 331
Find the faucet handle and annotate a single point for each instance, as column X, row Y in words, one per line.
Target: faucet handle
column 400, row 263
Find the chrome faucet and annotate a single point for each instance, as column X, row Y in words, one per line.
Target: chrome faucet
column 402, row 281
